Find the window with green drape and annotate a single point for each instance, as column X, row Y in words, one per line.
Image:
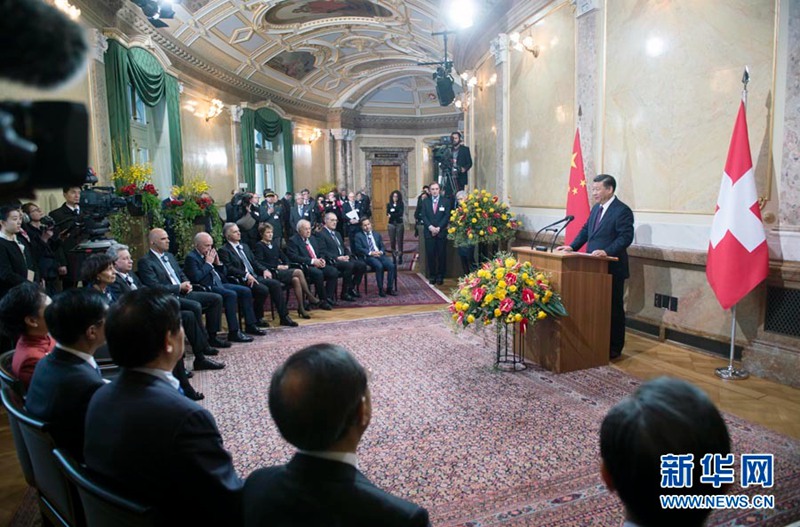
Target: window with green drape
column 271, row 125
column 140, row 68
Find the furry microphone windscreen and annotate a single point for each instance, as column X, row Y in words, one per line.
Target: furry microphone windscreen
column 39, row 46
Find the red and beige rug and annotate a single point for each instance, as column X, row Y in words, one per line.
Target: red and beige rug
column 476, row 447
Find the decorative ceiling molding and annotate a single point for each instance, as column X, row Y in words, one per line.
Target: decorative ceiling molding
column 449, row 122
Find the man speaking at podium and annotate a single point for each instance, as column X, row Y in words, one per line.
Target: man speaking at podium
column 609, row 232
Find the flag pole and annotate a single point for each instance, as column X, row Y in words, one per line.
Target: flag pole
column 729, row 372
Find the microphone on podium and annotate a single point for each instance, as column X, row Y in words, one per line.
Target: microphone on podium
column 548, row 228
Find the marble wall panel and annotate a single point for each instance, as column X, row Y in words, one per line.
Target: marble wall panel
column 542, row 108
column 484, row 152
column 673, row 84
column 209, row 152
column 309, row 164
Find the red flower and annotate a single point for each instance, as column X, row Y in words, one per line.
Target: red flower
column 485, row 215
column 128, row 190
column 495, row 199
column 452, row 307
column 528, row 295
column 477, row 293
column 506, row 305
column 150, row 189
column 174, row 203
column 461, row 317
column 511, row 279
column 497, row 215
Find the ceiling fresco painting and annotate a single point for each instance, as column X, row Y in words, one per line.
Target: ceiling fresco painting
column 295, row 64
column 300, row 12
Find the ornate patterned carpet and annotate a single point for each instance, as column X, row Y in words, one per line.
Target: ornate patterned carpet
column 474, row 446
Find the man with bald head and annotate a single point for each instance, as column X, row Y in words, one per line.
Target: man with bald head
column 204, row 268
column 320, row 402
column 159, row 269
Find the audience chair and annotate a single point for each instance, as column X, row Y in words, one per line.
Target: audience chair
column 101, row 505
column 7, row 378
column 370, row 269
column 58, row 499
column 13, row 404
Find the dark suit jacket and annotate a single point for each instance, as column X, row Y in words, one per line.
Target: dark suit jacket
column 199, row 272
column 120, row 286
column 164, row 449
column 14, row 265
column 234, row 266
column 440, row 218
column 614, row 235
column 59, row 394
column 309, row 213
column 152, row 272
column 65, row 220
column 329, row 248
column 309, row 491
column 347, row 208
column 276, row 222
column 362, row 244
column 296, row 249
column 463, row 159
column 270, row 258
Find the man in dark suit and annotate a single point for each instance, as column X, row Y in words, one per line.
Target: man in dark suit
column 65, row 380
column 301, row 211
column 461, row 160
column 348, row 208
column 320, row 402
column 272, row 212
column 609, row 232
column 127, row 281
column 163, row 448
column 159, row 269
column 17, row 263
column 204, row 268
column 306, row 250
column 243, row 268
column 435, row 215
column 369, row 246
column 337, row 254
column 68, row 228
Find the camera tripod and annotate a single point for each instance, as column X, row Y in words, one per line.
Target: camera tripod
column 447, row 180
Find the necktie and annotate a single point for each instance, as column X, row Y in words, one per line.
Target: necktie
column 310, row 250
column 215, row 279
column 599, row 216
column 170, row 271
column 130, row 283
column 338, row 245
column 245, row 260
column 371, row 241
column 435, row 204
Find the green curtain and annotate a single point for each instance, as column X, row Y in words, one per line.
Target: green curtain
column 140, row 68
column 272, row 126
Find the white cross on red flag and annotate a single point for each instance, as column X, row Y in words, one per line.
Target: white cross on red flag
column 738, row 258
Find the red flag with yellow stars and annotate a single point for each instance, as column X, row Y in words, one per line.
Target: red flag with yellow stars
column 577, row 196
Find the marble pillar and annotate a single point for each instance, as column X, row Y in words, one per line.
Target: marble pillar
column 100, row 136
column 349, row 161
column 499, row 49
column 588, row 87
column 339, row 176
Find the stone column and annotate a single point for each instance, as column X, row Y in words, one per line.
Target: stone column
column 349, row 160
column 499, row 49
column 100, row 147
column 588, row 58
column 339, row 177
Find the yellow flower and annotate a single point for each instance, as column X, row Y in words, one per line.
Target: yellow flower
column 470, row 319
column 541, row 315
column 451, row 230
column 508, row 225
column 500, row 294
column 475, row 192
column 485, row 200
column 488, row 299
column 474, row 220
column 481, row 233
column 497, row 313
column 525, row 276
column 501, row 283
column 510, row 262
column 491, row 209
column 512, row 288
column 529, row 281
column 469, row 236
column 499, row 273
column 478, row 209
column 517, row 317
column 455, row 316
column 540, row 277
column 504, row 217
column 509, row 319
column 486, row 322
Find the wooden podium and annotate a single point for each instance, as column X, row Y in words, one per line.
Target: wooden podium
column 580, row 340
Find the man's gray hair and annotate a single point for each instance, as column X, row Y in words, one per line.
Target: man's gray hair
column 115, row 249
column 199, row 236
column 226, row 228
column 301, row 222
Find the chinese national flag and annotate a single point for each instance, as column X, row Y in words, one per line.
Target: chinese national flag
column 577, row 196
column 738, row 259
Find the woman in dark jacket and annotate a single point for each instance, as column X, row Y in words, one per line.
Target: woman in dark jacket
column 395, row 211
column 43, row 244
column 17, row 261
column 271, row 256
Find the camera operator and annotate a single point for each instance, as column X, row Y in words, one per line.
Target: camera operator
column 461, row 160
column 248, row 218
column 44, row 244
column 68, row 227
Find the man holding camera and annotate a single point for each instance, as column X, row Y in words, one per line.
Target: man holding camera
column 68, row 227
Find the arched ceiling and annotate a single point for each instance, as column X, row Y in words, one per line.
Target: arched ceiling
column 352, row 54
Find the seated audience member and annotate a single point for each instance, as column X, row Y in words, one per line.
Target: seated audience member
column 664, row 416
column 162, row 448
column 242, row 267
column 17, row 262
column 305, row 250
column 321, row 404
column 337, row 254
column 66, row 379
column 369, row 245
column 98, row 273
column 270, row 256
column 204, row 268
column 22, row 320
column 43, row 244
column 159, row 269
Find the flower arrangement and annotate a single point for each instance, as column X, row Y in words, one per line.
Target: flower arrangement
column 507, row 291
column 137, row 174
column 481, row 218
column 189, row 204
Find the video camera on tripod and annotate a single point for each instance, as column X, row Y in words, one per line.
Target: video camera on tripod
column 443, row 157
column 98, row 203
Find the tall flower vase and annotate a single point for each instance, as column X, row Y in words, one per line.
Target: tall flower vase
column 510, row 351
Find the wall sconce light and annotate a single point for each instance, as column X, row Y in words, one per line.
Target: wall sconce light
column 214, row 109
column 68, row 9
column 525, row 44
column 309, row 136
column 464, row 102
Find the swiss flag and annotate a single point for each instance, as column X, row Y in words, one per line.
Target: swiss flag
column 738, row 259
column 577, row 196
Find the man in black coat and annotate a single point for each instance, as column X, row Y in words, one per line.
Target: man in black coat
column 321, row 404
column 609, row 232
column 243, row 268
column 69, row 227
column 65, row 380
column 337, row 254
column 159, row 269
column 272, row 212
column 304, row 249
column 461, row 160
column 435, row 215
column 163, row 448
column 301, row 211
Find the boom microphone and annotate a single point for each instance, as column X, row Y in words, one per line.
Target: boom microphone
column 39, row 46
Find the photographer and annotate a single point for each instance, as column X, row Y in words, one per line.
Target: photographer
column 40, row 229
column 68, row 227
column 248, row 218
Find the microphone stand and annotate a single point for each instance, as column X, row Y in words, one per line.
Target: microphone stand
column 541, row 247
column 569, row 220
